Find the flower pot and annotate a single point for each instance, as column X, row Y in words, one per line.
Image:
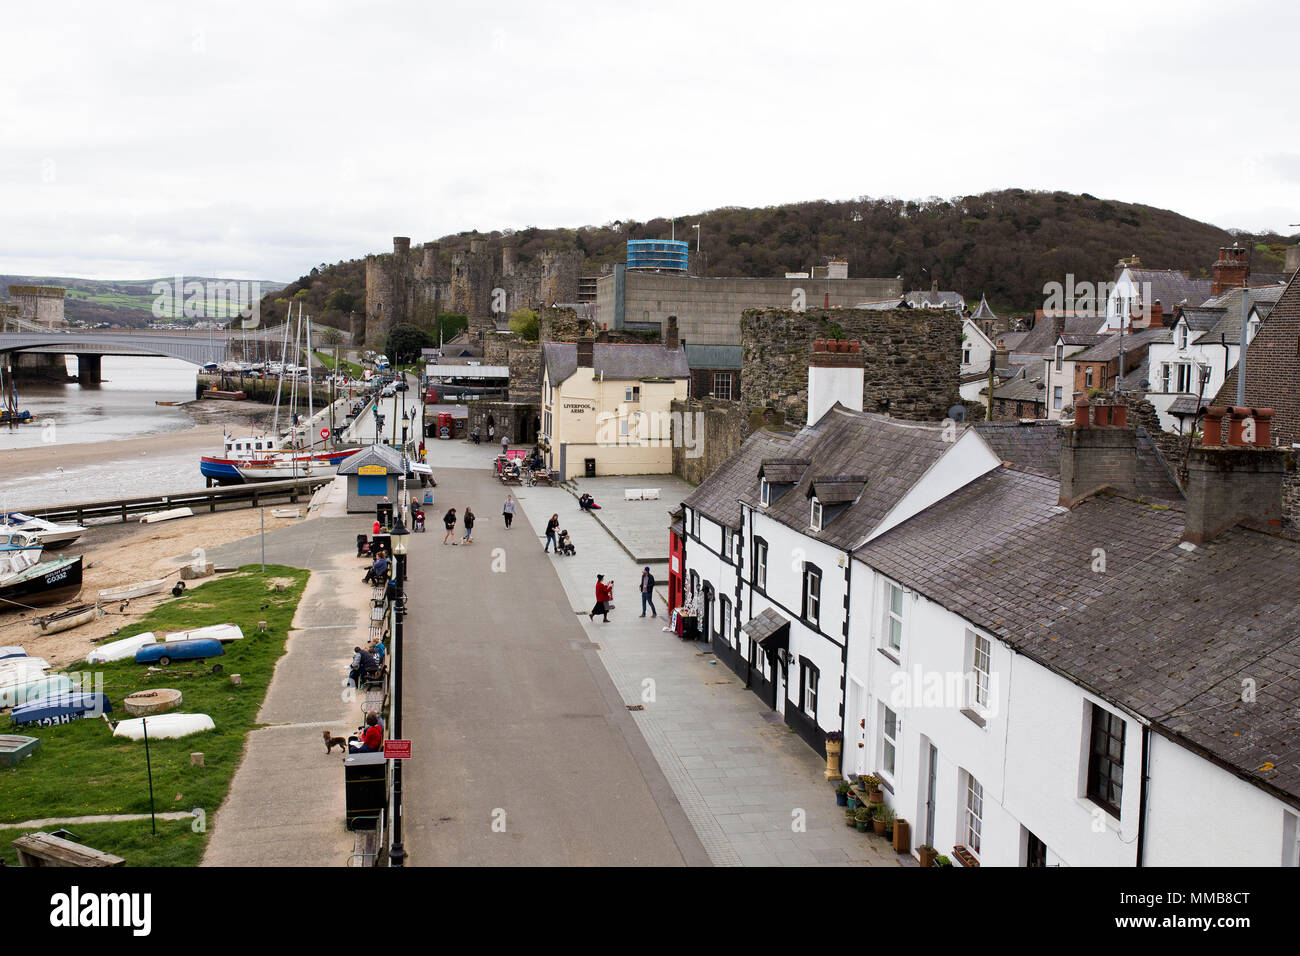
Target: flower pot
column 902, row 836
column 875, row 798
column 852, row 801
column 878, row 826
column 849, row 819
column 926, row 855
column 862, row 826
column 841, row 799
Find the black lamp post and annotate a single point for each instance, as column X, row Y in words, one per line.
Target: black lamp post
column 400, row 537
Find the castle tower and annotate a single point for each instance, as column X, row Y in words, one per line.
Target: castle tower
column 509, row 255
column 432, row 255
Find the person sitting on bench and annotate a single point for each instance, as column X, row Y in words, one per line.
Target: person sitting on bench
column 378, row 572
column 363, row 665
column 371, row 737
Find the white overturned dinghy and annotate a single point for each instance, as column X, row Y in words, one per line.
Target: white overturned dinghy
column 225, row 633
column 164, row 726
column 67, row 620
column 156, row 516
column 127, row 591
column 120, row 650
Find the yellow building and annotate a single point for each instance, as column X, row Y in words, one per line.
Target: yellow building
column 607, row 409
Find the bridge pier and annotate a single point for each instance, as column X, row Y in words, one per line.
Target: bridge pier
column 39, row 367
column 90, row 369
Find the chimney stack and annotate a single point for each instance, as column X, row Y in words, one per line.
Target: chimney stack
column 1231, row 270
column 1237, row 482
column 1098, row 451
column 835, row 374
column 670, row 333
column 586, row 352
column 934, row 286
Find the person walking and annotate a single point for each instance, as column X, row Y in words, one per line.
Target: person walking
column 508, row 510
column 551, row 527
column 449, row 522
column 648, row 592
column 604, row 597
column 505, row 444
column 469, row 525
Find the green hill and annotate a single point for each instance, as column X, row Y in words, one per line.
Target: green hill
column 1004, row 244
column 127, row 302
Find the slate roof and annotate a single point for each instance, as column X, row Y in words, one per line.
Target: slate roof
column 892, row 454
column 626, row 362
column 1041, row 339
column 718, row 496
column 385, row 455
column 762, row 627
column 1010, row 340
column 1082, row 338
column 1133, row 377
column 1022, row 390
column 1202, row 318
column 928, row 299
column 713, row 356
column 1229, row 324
column 783, row 471
column 1170, row 287
column 983, row 312
column 1108, row 348
column 1184, row 405
column 837, row 489
column 1164, row 633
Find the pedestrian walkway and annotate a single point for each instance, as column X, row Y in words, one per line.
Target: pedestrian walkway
column 753, row 791
column 285, row 806
column 638, row 526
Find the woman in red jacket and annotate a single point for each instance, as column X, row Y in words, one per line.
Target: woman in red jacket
column 604, row 595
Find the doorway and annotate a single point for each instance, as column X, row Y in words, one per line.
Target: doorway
column 931, row 792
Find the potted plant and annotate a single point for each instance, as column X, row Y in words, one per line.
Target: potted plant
column 927, row 854
column 834, row 746
column 842, row 793
column 883, row 822
column 942, row 860
column 851, row 817
column 862, row 816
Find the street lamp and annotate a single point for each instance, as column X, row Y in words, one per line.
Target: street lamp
column 400, row 538
column 397, row 854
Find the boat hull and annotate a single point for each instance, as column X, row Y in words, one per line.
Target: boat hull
column 196, row 650
column 60, row 709
column 128, row 591
column 43, row 584
column 164, row 726
column 272, row 468
column 67, row 620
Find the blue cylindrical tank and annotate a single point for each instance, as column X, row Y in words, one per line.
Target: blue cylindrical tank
column 660, row 254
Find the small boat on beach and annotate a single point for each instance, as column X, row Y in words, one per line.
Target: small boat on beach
column 34, row 688
column 156, row 516
column 127, row 591
column 49, row 582
column 225, row 633
column 45, row 532
column 74, row 616
column 120, row 650
column 164, row 726
column 164, row 652
column 61, row 709
column 11, row 651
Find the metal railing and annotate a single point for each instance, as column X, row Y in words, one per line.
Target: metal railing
column 252, row 495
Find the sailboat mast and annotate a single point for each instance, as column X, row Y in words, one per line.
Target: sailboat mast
column 311, row 393
column 284, row 347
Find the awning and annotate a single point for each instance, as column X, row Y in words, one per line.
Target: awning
column 770, row 631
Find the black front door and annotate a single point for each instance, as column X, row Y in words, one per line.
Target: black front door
column 1035, row 852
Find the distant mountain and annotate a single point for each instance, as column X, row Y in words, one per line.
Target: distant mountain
column 126, row 302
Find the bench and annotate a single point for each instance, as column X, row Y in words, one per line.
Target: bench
column 641, row 494
column 367, row 837
column 45, row 849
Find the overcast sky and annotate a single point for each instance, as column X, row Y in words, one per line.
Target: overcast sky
column 257, row 139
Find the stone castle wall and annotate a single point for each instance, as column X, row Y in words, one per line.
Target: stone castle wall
column 706, row 432
column 912, row 359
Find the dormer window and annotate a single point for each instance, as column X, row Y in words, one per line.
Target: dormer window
column 1182, row 336
column 815, row 515
column 765, row 492
column 1251, row 329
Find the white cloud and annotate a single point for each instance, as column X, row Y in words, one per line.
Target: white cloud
column 259, row 139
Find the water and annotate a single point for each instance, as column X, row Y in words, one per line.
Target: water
column 122, row 407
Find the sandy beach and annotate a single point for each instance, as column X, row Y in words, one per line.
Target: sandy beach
column 117, row 554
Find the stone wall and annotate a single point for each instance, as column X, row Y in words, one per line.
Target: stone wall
column 562, row 325
column 912, row 359
column 518, row 420
column 706, row 432
column 526, row 373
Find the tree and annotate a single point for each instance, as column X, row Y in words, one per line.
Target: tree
column 524, row 323
column 404, row 343
column 330, row 336
column 342, row 300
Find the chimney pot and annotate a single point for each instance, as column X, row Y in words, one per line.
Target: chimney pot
column 1237, row 416
column 1263, row 427
column 1119, row 415
column 1212, row 430
column 1082, row 408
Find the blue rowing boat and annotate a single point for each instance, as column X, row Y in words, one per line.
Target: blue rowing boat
column 164, row 652
column 60, row 709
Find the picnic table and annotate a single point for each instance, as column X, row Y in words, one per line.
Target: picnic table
column 45, row 849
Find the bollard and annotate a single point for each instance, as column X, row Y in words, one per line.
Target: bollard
column 237, row 680
column 196, row 760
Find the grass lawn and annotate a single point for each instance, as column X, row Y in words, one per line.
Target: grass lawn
column 82, row 769
column 351, row 369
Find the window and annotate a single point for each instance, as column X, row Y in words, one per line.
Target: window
column 760, row 564
column 965, row 356
column 724, row 620
column 894, row 617
column 695, row 584
column 808, row 692
column 815, row 515
column 728, row 544
column 632, row 394
column 1060, row 355
column 1106, row 760
column 695, row 524
column 1251, row 329
column 812, row 594
column 1165, row 376
column 1087, row 376
column 764, row 492
column 622, row 427
column 974, row 814
column 980, row 666
column 1184, row 377
column 888, row 742
column 1182, row 337
column 758, row 660
column 1056, row 397
column 722, row 385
